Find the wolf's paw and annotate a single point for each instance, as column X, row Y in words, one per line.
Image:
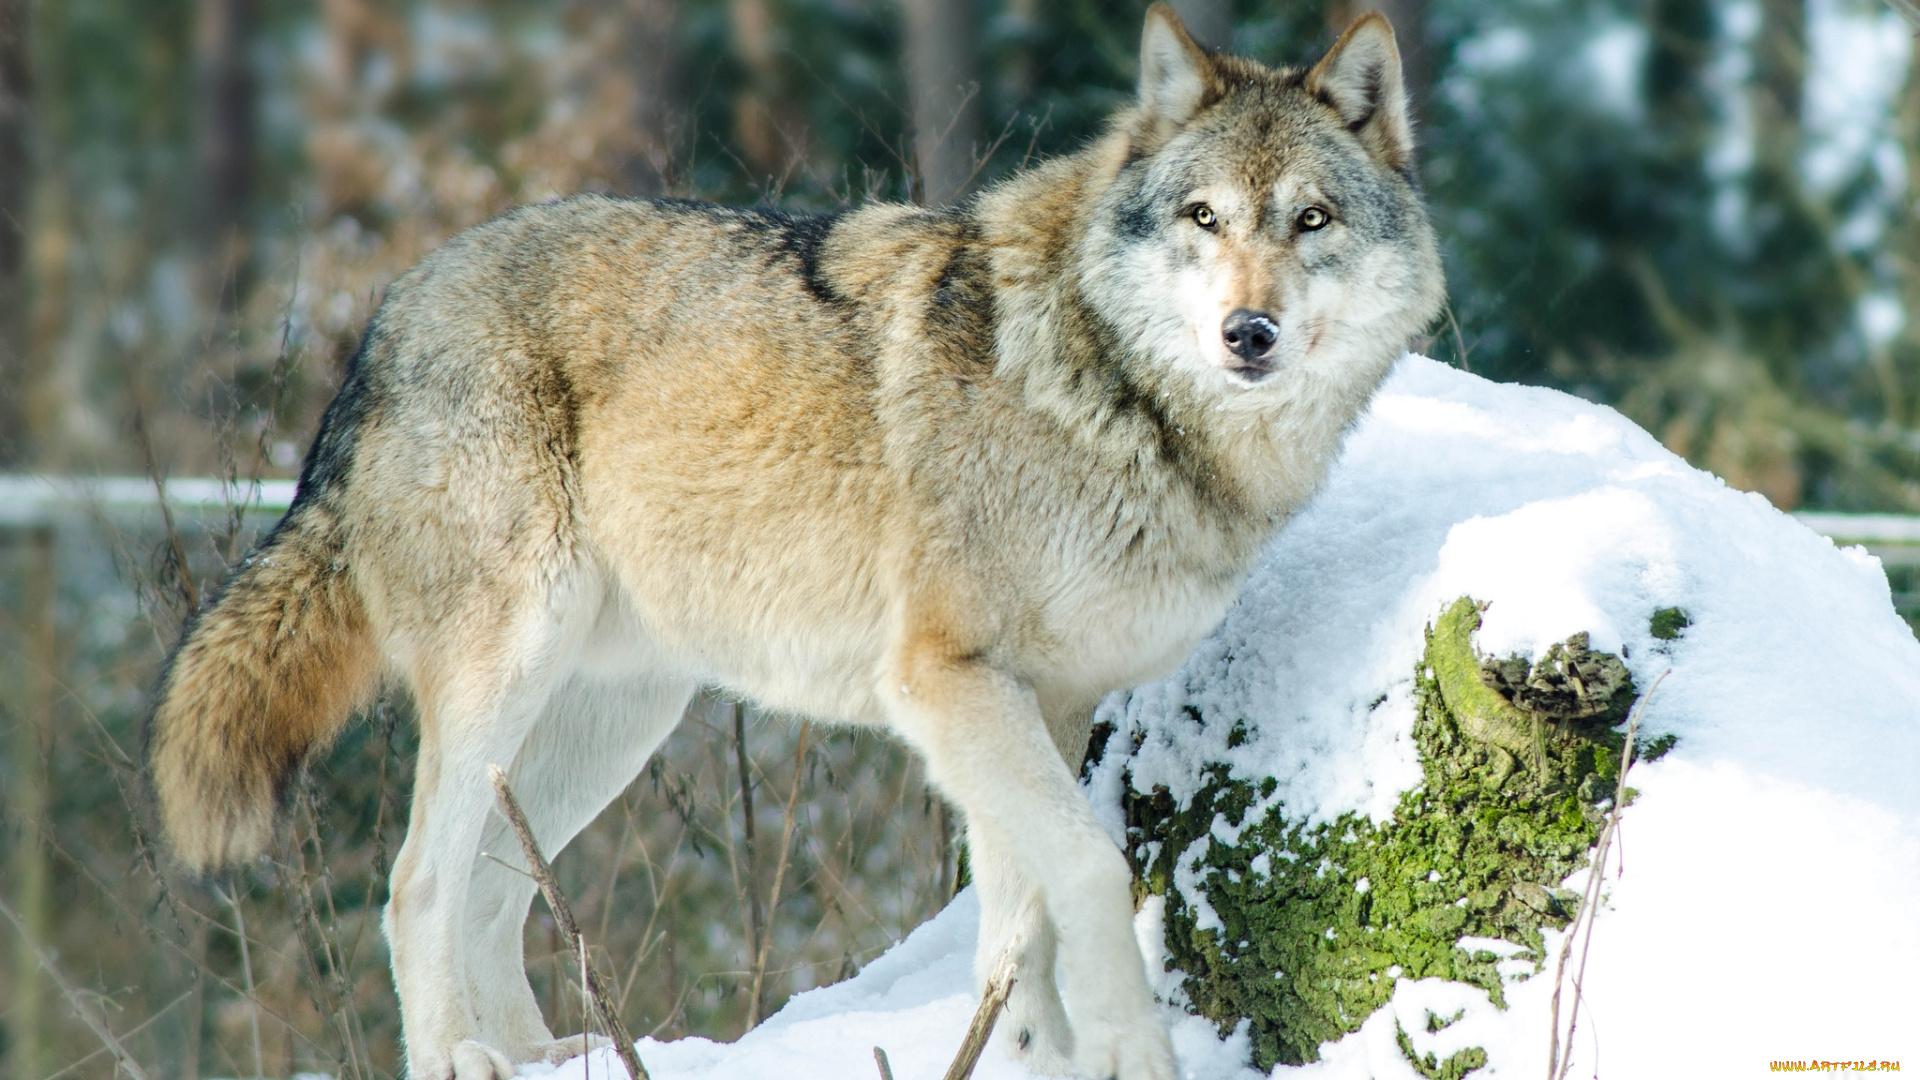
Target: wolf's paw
column 1034, row 1029
column 559, row 1050
column 1137, row 1052
column 468, row 1060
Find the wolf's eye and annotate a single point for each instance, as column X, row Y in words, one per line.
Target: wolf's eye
column 1204, row 216
column 1313, row 218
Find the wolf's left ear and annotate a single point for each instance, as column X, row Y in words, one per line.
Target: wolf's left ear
column 1360, row 78
column 1176, row 78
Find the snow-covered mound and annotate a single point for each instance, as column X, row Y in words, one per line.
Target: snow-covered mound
column 1766, row 902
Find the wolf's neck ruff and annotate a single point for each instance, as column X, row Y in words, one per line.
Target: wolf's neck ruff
column 956, row 473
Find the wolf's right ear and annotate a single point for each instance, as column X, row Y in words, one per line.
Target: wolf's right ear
column 1176, row 78
column 1360, row 78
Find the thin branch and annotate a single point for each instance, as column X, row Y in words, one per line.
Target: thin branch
column 1557, row 1065
column 880, row 1059
column 756, row 914
column 246, row 974
column 779, row 876
column 85, row 1011
column 131, row 1032
column 508, row 865
column 563, row 914
column 998, row 987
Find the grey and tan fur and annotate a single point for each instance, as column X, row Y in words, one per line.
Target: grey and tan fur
column 955, row 472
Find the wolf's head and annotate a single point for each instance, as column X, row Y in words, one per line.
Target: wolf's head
column 1264, row 232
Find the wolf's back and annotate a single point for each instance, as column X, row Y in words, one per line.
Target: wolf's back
column 269, row 671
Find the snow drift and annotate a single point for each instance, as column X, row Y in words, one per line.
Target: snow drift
column 1766, row 902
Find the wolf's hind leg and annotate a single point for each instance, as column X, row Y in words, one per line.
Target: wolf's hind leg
column 487, row 684
column 1013, row 917
column 591, row 741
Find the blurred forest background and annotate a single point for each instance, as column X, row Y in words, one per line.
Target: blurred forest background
column 1699, row 211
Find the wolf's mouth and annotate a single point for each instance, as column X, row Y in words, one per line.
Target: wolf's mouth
column 1251, row 374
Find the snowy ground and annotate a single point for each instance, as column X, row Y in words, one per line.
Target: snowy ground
column 1766, row 905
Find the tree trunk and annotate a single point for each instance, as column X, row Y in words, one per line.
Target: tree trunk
column 1780, row 63
column 1682, row 44
column 26, row 1015
column 751, row 24
column 943, row 78
column 650, row 25
column 1020, row 68
column 55, row 405
column 16, row 176
column 1903, row 246
column 225, row 137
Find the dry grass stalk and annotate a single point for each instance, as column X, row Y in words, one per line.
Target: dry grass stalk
column 82, row 1063
column 779, row 878
column 1557, row 1064
column 995, row 999
column 246, row 973
column 563, row 914
column 756, row 915
column 880, row 1059
column 88, row 1015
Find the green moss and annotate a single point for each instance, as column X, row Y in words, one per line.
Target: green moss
column 1457, row 1065
column 1667, row 623
column 1517, row 759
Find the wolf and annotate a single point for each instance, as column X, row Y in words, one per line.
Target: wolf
column 958, row 473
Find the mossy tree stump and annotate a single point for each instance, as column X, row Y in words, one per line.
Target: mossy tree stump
column 1317, row 921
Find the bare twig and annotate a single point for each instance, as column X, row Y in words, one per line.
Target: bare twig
column 188, row 589
column 563, row 914
column 88, row 1015
column 880, row 1059
column 131, row 913
column 1459, row 341
column 756, row 915
column 152, row 1019
column 779, row 877
column 1558, row 1065
column 995, row 999
column 586, row 1021
column 246, row 973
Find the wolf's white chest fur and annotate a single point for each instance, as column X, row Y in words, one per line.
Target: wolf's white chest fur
column 1112, row 636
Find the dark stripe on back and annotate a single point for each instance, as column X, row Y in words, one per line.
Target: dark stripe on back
column 803, row 238
column 331, row 455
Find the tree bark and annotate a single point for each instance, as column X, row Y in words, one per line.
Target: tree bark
column 751, row 24
column 26, row 1015
column 1904, row 247
column 656, row 80
column 1682, row 43
column 225, row 139
column 943, row 78
column 16, row 182
column 1780, row 63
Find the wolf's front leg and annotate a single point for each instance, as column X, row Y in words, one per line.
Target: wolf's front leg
column 988, row 749
column 1013, row 919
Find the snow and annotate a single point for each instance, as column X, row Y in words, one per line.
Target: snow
column 914, row 1002
column 1766, row 900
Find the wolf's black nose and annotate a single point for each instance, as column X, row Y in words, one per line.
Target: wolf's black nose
column 1250, row 334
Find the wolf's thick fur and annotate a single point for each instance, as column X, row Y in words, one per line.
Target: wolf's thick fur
column 956, row 472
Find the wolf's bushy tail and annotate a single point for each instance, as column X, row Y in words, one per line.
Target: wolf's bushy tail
column 268, row 672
